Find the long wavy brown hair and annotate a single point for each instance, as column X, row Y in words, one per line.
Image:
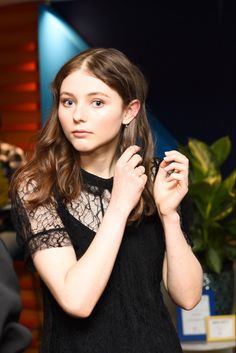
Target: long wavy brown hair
column 55, row 163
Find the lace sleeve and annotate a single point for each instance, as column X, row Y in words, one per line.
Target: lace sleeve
column 38, row 229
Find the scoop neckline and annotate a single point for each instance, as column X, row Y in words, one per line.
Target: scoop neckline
column 95, row 180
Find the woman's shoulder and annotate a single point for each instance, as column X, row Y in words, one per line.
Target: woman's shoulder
column 26, row 188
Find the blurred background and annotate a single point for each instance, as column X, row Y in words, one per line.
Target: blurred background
column 186, row 49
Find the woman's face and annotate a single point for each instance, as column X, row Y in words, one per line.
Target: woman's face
column 90, row 113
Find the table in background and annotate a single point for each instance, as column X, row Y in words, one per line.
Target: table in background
column 208, row 346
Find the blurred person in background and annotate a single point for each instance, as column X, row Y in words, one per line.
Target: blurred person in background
column 14, row 337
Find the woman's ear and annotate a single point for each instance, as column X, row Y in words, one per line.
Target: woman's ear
column 131, row 111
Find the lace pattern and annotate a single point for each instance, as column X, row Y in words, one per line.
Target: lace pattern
column 40, row 228
column 48, row 239
column 90, row 207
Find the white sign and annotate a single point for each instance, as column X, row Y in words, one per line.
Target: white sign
column 220, row 328
column 194, row 320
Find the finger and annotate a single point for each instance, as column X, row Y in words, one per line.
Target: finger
column 171, row 184
column 128, row 153
column 176, row 167
column 163, row 164
column 173, row 151
column 139, row 170
column 175, row 156
column 143, row 179
column 134, row 161
column 177, row 176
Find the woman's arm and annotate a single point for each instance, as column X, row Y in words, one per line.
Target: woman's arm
column 182, row 272
column 77, row 285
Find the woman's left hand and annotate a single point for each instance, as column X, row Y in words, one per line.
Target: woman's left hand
column 171, row 183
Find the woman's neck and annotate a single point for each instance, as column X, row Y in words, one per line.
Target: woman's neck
column 102, row 165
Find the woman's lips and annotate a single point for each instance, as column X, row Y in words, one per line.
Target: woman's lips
column 81, row 133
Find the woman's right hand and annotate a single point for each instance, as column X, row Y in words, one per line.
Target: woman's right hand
column 129, row 180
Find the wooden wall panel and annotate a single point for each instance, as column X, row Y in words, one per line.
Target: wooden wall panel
column 22, row 57
column 18, row 97
column 20, row 77
column 16, row 19
column 19, row 72
column 25, row 117
column 20, row 121
column 15, row 37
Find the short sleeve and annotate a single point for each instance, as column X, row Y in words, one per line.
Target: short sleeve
column 37, row 229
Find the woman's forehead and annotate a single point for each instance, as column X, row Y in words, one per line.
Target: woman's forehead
column 84, row 82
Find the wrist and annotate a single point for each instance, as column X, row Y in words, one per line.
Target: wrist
column 172, row 217
column 121, row 212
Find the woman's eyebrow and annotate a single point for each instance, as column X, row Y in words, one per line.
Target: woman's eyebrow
column 89, row 94
column 98, row 93
column 67, row 94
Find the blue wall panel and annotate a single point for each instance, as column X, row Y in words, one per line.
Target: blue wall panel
column 58, row 42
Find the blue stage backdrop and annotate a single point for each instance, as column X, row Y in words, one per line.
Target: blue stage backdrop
column 58, row 42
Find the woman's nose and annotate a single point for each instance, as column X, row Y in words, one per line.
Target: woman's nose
column 79, row 114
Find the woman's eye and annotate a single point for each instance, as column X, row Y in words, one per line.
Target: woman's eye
column 98, row 103
column 67, row 102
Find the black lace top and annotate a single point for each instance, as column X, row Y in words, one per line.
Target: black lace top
column 130, row 316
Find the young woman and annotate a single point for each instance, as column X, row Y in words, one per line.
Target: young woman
column 97, row 214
